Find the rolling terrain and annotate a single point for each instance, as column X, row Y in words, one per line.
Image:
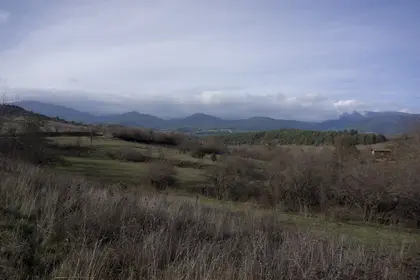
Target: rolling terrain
column 130, row 202
column 386, row 123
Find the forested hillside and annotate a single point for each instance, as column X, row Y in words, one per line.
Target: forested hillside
column 301, row 137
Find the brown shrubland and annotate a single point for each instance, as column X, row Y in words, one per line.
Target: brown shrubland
column 58, row 227
column 330, row 181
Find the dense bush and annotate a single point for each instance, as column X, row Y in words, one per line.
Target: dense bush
column 209, row 148
column 162, row 174
column 148, row 136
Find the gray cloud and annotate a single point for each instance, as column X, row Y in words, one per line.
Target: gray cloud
column 278, row 58
column 310, row 107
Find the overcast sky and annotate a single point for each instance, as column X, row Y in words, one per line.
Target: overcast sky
column 237, row 58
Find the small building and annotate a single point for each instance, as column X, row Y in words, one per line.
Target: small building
column 381, row 153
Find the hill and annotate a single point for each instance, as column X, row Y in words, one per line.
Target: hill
column 387, row 123
column 14, row 117
column 8, row 110
column 54, row 111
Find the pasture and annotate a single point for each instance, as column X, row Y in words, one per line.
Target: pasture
column 98, row 162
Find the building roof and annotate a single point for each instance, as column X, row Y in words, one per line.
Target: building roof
column 381, row 150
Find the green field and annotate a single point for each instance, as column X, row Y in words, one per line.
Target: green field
column 96, row 164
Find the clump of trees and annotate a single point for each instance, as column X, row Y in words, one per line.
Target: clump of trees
column 213, row 146
column 162, row 174
column 301, row 137
column 236, row 179
column 148, row 136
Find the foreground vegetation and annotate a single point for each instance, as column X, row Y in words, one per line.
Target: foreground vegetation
column 144, row 205
column 55, row 226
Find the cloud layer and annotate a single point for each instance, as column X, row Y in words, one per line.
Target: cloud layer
column 291, row 59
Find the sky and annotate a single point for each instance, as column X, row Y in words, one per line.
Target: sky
column 304, row 60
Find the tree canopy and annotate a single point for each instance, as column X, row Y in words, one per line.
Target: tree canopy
column 301, row 137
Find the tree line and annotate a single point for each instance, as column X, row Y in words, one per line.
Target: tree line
column 301, row 137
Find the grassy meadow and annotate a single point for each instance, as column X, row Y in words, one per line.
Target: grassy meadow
column 99, row 162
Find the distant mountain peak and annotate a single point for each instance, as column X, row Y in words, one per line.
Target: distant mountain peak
column 378, row 122
column 261, row 118
column 135, row 113
column 202, row 116
column 355, row 115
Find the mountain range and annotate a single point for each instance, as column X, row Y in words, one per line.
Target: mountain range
column 387, row 123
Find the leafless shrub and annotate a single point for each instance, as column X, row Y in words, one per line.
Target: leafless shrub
column 188, row 145
column 301, row 182
column 162, row 174
column 59, row 227
column 167, row 138
column 236, row 179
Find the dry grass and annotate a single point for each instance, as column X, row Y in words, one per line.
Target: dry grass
column 57, row 227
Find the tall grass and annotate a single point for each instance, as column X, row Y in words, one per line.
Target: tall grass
column 59, row 227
